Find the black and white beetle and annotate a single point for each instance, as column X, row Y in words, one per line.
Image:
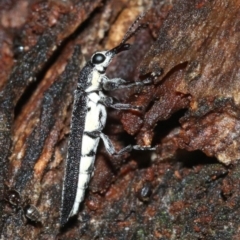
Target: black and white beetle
column 87, row 122
column 29, row 211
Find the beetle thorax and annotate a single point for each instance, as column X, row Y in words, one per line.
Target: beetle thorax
column 94, row 81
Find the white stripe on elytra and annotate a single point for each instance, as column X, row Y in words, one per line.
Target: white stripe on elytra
column 93, row 122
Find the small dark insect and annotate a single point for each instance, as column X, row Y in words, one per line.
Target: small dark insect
column 145, row 192
column 13, row 197
column 29, row 211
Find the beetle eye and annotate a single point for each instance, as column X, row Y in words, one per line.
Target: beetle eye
column 98, row 58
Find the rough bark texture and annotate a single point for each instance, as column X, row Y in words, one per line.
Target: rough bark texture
column 188, row 188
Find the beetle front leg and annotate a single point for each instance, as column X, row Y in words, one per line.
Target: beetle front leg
column 109, row 102
column 112, row 84
column 119, row 83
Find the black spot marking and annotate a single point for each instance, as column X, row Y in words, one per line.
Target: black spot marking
column 94, row 134
column 100, row 116
column 102, row 72
column 91, row 153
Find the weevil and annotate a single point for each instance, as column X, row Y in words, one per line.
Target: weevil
column 29, row 211
column 87, row 122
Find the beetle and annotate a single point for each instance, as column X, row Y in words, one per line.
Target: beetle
column 29, row 211
column 87, row 122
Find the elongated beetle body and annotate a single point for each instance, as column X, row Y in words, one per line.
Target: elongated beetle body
column 87, row 122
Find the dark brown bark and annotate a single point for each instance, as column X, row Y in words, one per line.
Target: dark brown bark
column 182, row 191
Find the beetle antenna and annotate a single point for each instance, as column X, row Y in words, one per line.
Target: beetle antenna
column 134, row 28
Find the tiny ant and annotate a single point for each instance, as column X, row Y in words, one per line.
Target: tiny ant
column 30, row 212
